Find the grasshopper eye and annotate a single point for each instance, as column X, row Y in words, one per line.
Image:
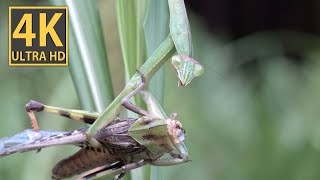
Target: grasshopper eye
column 198, row 70
column 182, row 135
column 184, row 132
column 176, row 61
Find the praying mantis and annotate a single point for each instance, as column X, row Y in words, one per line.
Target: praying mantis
column 186, row 67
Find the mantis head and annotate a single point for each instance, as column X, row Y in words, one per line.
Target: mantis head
column 186, row 68
column 177, row 136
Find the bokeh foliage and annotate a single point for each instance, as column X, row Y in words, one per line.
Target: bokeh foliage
column 252, row 115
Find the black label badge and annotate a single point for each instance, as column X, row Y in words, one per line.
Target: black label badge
column 38, row 36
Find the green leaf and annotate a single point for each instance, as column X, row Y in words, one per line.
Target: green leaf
column 141, row 8
column 156, row 24
column 128, row 37
column 77, row 68
column 90, row 72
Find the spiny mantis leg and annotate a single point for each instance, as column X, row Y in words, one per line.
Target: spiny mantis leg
column 78, row 115
column 126, row 100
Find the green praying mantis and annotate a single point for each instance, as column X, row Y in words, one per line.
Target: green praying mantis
column 150, row 136
column 186, row 67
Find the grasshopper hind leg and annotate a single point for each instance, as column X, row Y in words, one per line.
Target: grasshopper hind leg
column 93, row 174
column 118, row 172
column 78, row 115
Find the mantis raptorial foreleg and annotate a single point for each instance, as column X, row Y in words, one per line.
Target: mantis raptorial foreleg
column 168, row 161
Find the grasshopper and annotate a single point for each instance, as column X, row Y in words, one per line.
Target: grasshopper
column 126, row 144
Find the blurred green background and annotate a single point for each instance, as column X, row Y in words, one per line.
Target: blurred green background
column 254, row 114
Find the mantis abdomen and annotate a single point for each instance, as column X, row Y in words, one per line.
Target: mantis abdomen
column 82, row 161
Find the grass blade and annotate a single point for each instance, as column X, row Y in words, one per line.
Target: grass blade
column 77, row 68
column 141, row 7
column 85, row 20
column 127, row 32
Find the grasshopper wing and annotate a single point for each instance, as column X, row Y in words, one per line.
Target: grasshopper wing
column 30, row 140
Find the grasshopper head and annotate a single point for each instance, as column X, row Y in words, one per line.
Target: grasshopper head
column 177, row 136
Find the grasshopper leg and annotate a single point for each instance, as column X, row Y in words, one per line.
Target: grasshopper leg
column 126, row 100
column 93, row 174
column 79, row 115
column 119, row 172
column 120, row 176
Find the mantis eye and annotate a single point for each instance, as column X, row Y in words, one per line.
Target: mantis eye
column 176, row 61
column 198, row 70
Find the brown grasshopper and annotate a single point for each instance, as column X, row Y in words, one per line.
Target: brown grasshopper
column 126, row 144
